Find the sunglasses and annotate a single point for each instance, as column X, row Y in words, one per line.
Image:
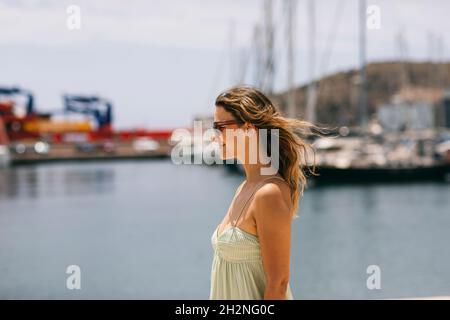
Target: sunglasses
column 220, row 125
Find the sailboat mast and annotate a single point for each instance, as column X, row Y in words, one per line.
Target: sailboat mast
column 311, row 94
column 362, row 71
column 291, row 14
column 269, row 47
column 232, row 42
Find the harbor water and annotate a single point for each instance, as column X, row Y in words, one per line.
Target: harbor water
column 142, row 230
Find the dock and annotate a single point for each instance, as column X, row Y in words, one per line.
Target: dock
column 91, row 152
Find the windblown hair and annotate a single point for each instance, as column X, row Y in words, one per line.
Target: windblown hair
column 250, row 105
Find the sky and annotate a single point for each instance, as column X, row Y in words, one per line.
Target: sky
column 162, row 62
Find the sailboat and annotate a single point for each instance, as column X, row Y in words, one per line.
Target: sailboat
column 365, row 154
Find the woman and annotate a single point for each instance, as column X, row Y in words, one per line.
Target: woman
column 252, row 243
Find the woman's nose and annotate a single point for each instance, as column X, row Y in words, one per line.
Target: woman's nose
column 216, row 138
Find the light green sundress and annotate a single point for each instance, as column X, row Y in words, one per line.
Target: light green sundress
column 237, row 269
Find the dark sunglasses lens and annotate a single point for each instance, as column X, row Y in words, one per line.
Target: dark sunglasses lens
column 221, row 125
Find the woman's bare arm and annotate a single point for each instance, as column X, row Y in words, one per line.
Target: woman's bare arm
column 273, row 219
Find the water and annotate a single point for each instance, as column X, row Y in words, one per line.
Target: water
column 142, row 230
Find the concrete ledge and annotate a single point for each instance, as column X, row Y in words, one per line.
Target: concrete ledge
column 425, row 298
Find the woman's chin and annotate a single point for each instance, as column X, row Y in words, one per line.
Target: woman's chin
column 225, row 157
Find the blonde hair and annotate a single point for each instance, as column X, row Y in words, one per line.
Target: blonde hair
column 250, row 105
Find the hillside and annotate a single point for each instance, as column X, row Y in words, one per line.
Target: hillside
column 338, row 93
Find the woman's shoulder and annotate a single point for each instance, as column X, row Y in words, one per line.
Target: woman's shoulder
column 272, row 188
column 273, row 193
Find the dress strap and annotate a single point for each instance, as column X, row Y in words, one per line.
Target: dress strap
column 253, row 192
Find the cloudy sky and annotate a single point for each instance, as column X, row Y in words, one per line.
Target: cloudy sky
column 163, row 61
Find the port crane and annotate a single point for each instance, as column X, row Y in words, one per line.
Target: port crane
column 11, row 93
column 99, row 108
column 14, row 122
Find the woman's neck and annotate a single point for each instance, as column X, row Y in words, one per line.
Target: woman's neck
column 253, row 172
